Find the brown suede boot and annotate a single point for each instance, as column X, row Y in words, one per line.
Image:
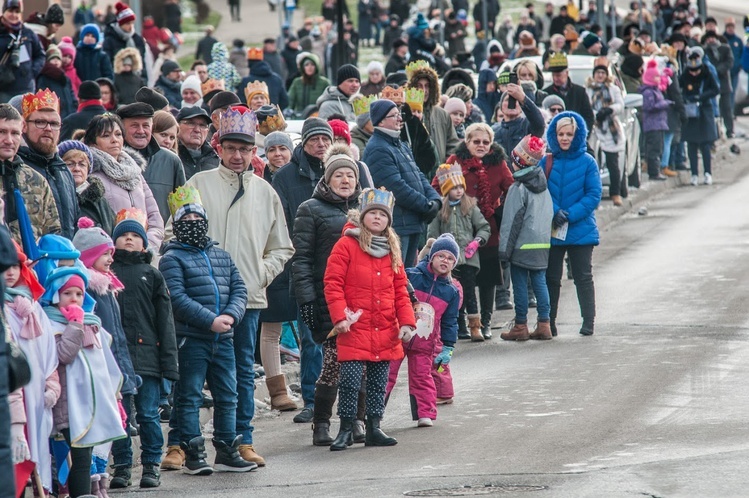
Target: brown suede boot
column 617, row 200
column 474, row 323
column 519, row 332
column 279, row 397
column 542, row 332
column 174, row 459
column 247, row 452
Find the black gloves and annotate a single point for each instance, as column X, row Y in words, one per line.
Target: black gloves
column 308, row 315
column 434, row 209
column 603, row 114
column 559, row 219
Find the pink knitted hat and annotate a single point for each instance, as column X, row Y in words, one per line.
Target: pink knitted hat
column 651, row 76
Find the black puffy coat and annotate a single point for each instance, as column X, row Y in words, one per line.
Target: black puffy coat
column 203, row 283
column 93, row 205
column 60, row 180
column 317, row 227
column 146, row 315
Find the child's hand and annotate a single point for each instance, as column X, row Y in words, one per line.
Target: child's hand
column 222, row 323
column 72, row 313
column 444, row 357
column 406, row 333
column 342, row 327
column 471, row 248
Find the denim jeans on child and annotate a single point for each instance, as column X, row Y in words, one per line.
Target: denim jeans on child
column 310, row 364
column 520, row 279
column 147, row 416
column 245, row 340
column 213, row 361
column 122, row 449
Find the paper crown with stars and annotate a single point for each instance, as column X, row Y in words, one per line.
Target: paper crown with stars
column 361, row 103
column 397, row 95
column 238, row 122
column 380, row 198
column 41, row 100
column 415, row 66
column 415, row 99
column 212, row 85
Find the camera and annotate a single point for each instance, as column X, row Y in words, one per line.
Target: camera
column 511, row 103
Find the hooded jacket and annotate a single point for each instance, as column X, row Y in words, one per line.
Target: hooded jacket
column 525, row 234
column 654, row 109
column 222, row 69
column 574, row 183
column 333, row 101
column 128, row 83
column 317, row 227
column 60, row 180
column 55, row 79
column 261, row 71
column 92, row 63
column 509, row 133
column 114, row 42
column 487, row 101
column 301, row 95
column 203, row 284
column 172, row 90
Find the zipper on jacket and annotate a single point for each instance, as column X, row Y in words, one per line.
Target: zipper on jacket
column 215, row 288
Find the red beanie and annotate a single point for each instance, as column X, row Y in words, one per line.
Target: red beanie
column 340, row 129
column 124, row 13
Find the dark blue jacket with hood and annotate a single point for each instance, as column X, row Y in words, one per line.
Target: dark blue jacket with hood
column 486, row 101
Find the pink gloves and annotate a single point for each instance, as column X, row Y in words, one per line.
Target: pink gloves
column 471, row 248
column 72, row 313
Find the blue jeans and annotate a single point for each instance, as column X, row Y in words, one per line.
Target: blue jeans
column 668, row 137
column 410, row 248
column 310, row 364
column 147, row 415
column 201, row 360
column 245, row 339
column 122, row 449
column 678, row 156
column 520, row 277
column 166, row 390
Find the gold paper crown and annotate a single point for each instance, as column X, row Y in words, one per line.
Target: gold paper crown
column 212, row 85
column 255, row 54
column 415, row 66
column 415, row 99
column 601, row 61
column 132, row 214
column 182, row 196
column 396, row 95
column 43, row 99
column 558, row 60
column 238, row 122
column 361, row 103
column 380, row 198
column 255, row 87
column 269, row 124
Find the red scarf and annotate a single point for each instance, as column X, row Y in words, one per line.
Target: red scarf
column 88, row 103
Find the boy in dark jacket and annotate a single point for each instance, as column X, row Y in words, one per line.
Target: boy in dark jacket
column 208, row 299
column 149, row 327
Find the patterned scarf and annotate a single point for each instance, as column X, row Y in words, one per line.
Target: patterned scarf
column 124, row 171
column 192, row 232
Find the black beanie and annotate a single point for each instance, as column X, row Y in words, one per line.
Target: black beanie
column 223, row 99
column 151, row 97
column 89, row 90
column 345, row 72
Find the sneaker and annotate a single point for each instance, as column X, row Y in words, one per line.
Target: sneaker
column 304, row 416
column 425, row 422
column 708, row 179
column 695, row 180
column 657, row 178
column 165, row 413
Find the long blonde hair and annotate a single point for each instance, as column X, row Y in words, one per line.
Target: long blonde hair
column 466, row 205
column 365, row 239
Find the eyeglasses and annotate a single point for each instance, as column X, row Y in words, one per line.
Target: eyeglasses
column 555, row 110
column 77, row 164
column 481, row 142
column 396, row 116
column 43, row 123
column 244, row 150
column 192, row 124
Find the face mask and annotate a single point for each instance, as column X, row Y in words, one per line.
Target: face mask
column 192, row 232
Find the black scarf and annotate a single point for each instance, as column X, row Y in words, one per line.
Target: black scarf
column 192, row 232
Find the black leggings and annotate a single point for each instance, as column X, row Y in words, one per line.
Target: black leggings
column 79, row 479
column 582, row 272
column 704, row 148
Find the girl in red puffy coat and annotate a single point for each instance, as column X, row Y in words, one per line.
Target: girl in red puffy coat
column 365, row 288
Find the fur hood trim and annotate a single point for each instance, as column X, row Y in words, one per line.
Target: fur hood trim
column 128, row 52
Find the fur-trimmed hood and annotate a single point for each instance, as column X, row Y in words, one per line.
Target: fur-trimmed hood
column 99, row 282
column 434, row 84
column 458, row 75
column 131, row 52
column 495, row 156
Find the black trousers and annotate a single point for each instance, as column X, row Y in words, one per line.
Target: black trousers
column 653, row 151
column 582, row 273
column 79, row 479
column 487, row 280
column 694, row 162
column 466, row 275
column 726, row 112
column 615, row 176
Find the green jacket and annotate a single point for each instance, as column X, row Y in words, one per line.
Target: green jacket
column 300, row 95
column 442, row 131
column 463, row 228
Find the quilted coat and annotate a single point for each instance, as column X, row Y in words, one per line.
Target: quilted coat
column 358, row 281
column 574, row 183
column 203, row 283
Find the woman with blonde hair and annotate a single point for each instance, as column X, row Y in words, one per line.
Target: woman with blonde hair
column 165, row 129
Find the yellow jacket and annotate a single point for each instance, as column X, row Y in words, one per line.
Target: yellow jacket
column 252, row 228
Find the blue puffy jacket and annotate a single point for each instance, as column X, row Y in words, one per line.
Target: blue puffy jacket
column 442, row 295
column 574, row 183
column 393, row 167
column 203, row 283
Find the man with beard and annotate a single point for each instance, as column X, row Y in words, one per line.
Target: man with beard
column 41, row 132
column 164, row 172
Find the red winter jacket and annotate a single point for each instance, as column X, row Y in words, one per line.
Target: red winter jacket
column 358, row 281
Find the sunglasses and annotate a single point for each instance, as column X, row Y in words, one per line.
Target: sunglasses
column 555, row 109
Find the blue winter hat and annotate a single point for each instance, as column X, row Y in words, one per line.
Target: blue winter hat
column 130, row 225
column 421, row 22
column 379, row 109
column 445, row 242
column 90, row 29
column 69, row 145
column 53, row 248
column 59, row 277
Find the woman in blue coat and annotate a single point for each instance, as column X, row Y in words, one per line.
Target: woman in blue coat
column 575, row 187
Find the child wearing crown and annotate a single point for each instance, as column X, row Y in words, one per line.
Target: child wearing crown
column 365, row 288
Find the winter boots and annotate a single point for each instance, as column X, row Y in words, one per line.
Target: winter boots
column 587, row 328
column 542, row 332
column 279, row 397
column 345, row 438
column 151, row 476
column 121, row 478
column 103, row 486
column 375, row 436
column 195, row 463
column 474, row 324
column 519, row 332
column 321, row 434
column 359, row 432
column 228, row 458
column 174, row 459
column 324, row 400
column 248, row 453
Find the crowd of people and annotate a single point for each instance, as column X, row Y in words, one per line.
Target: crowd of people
column 160, row 227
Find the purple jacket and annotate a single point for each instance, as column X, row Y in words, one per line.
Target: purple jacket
column 654, row 109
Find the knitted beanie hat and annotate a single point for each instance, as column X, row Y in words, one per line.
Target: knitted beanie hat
column 590, row 39
column 339, row 156
column 278, row 138
column 89, row 90
column 379, row 109
column 445, row 242
column 375, row 67
column 528, row 152
column 69, row 145
column 552, row 100
column 454, row 105
column 92, row 241
column 66, row 46
column 315, row 126
column 651, row 76
column 345, row 72
column 168, row 66
column 53, row 52
column 73, row 281
column 362, row 120
column 124, row 13
column 90, row 29
column 340, row 129
column 54, row 15
column 192, row 82
column 450, row 176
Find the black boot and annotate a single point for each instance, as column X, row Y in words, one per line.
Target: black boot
column 151, row 476
column 228, row 458
column 359, row 432
column 121, row 478
column 554, row 291
column 195, row 463
column 587, row 328
column 344, row 438
column 462, row 328
column 375, row 436
column 321, row 434
column 324, row 400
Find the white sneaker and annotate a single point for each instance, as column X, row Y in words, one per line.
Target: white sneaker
column 425, row 422
column 695, row 180
column 708, row 179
